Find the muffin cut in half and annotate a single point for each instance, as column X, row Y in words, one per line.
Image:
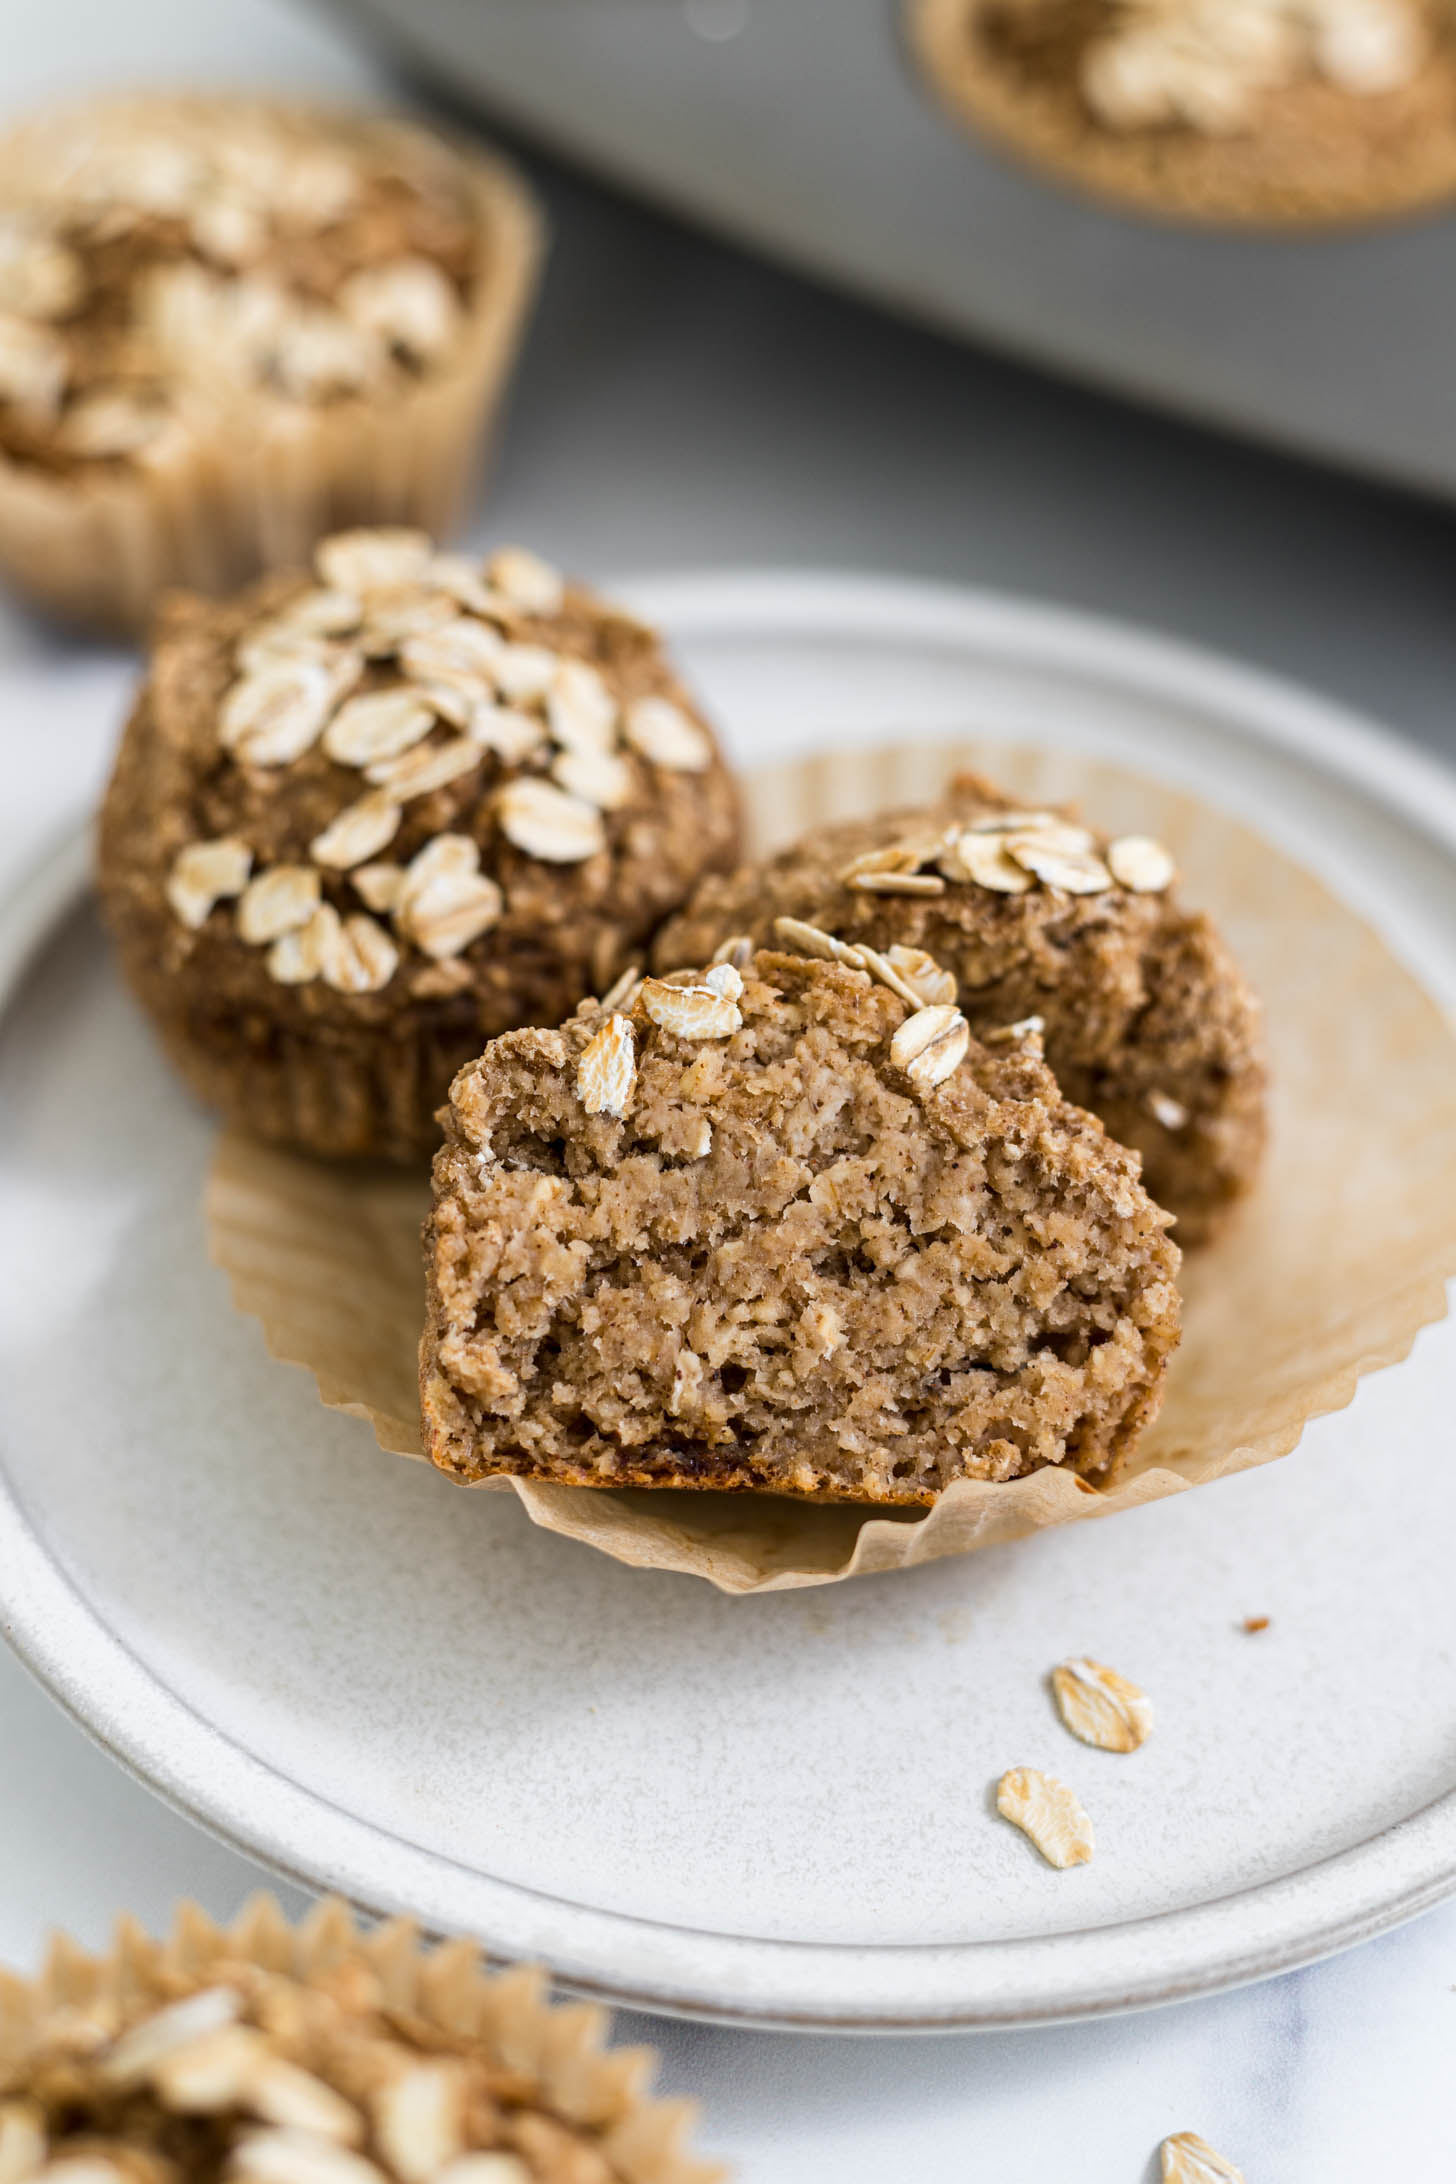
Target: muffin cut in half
column 1146, row 1018
column 362, row 821
column 1258, row 113
column 229, row 326
column 776, row 1226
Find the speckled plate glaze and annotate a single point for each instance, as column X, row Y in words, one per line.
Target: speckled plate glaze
column 775, row 1809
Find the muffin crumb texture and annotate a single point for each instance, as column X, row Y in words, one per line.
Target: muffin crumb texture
column 1037, row 922
column 268, row 2055
column 362, row 822
column 775, row 1228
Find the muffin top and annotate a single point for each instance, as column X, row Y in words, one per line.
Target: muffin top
column 408, row 777
column 270, row 2055
column 782, row 1224
column 160, row 258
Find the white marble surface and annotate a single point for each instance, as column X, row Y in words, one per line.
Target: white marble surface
column 679, row 406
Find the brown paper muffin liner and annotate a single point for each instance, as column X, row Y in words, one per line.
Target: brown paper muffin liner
column 1323, row 157
column 1328, row 1272
column 560, row 2049
column 263, row 479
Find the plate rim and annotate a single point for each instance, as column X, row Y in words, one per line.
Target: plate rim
column 1225, row 1941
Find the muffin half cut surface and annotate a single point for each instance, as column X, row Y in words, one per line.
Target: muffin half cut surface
column 781, row 1226
column 364, row 820
column 1147, row 1020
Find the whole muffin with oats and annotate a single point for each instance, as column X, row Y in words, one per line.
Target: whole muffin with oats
column 1272, row 113
column 262, row 2053
column 1145, row 1016
column 363, row 820
column 783, row 1225
column 229, row 326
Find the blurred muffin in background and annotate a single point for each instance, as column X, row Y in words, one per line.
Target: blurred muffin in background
column 228, row 327
column 1266, row 113
column 264, row 2053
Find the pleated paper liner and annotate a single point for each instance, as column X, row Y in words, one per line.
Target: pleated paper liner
column 559, row 2051
column 1316, row 156
column 256, row 480
column 1338, row 1259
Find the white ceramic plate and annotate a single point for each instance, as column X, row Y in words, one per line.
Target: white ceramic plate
column 801, row 128
column 773, row 1809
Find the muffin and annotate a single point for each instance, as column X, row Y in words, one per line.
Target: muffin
column 266, row 2054
column 1270, row 113
column 773, row 1226
column 228, row 327
column 363, row 820
column 1144, row 1014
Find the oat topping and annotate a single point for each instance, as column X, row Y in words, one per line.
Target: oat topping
column 690, row 1012
column 899, row 883
column 1101, row 1707
column 606, row 1069
column 931, row 1044
column 170, row 254
column 547, row 823
column 361, row 830
column 809, row 940
column 1074, row 871
column 663, row 733
column 983, row 859
column 1171, row 1113
column 1207, row 63
column 737, row 949
column 1008, row 852
column 1048, row 1813
column 1021, row 1033
column 622, row 991
column 1139, row 863
column 526, row 580
column 206, row 873
column 1189, row 2159
column 925, row 978
column 275, row 714
column 378, row 726
column 724, row 979
column 449, row 684
column 278, row 901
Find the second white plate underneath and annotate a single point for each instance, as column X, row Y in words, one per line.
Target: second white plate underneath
column 772, row 1809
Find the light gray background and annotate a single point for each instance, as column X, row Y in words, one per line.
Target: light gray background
column 679, row 406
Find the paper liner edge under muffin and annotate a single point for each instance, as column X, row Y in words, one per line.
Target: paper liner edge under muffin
column 262, row 1205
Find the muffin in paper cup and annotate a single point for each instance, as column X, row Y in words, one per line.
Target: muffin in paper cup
column 266, row 2053
column 1333, row 1264
column 1235, row 113
column 229, row 326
